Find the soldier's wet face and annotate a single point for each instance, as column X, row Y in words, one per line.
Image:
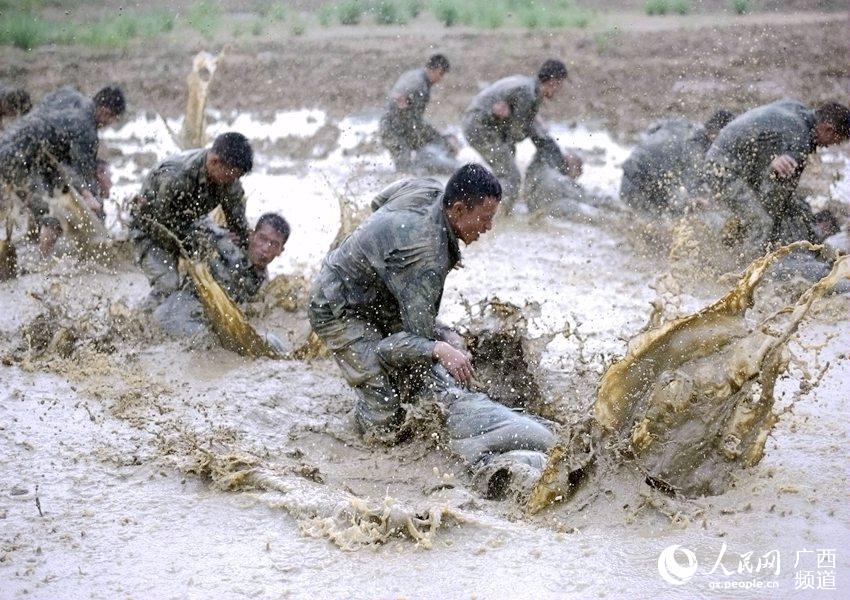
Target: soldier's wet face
column 550, row 88
column 469, row 223
column 435, row 75
column 264, row 245
column 220, row 172
column 827, row 135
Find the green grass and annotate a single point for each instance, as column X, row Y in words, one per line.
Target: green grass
column 681, row 7
column 325, row 15
column 276, row 12
column 297, row 26
column 739, row 7
column 23, row 30
column 532, row 15
column 349, row 12
column 487, row 14
column 414, row 8
column 204, row 16
column 447, row 12
column 388, row 12
column 656, row 7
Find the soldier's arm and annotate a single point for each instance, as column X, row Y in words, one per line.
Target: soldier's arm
column 233, row 206
column 385, row 194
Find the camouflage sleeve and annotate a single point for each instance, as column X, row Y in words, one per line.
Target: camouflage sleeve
column 523, row 113
column 417, row 286
column 233, row 206
column 161, row 188
column 388, row 192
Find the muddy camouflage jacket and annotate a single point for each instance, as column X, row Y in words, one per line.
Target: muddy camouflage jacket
column 414, row 86
column 522, row 94
column 67, row 98
column 62, row 132
column 228, row 262
column 392, row 269
column 669, row 158
column 177, row 193
column 747, row 145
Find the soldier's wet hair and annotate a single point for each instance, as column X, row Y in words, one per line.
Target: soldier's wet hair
column 720, row 119
column 472, row 184
column 112, row 98
column 234, row 150
column 836, row 114
column 552, row 69
column 438, row 61
column 827, row 222
column 48, row 222
column 17, row 100
column 276, row 222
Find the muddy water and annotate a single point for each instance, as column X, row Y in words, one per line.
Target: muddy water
column 133, row 439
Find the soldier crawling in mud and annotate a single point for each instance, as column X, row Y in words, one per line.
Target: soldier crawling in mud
column 178, row 192
column 14, row 102
column 240, row 271
column 550, row 187
column 504, row 114
column 755, row 164
column 56, row 144
column 414, row 143
column 375, row 304
column 665, row 171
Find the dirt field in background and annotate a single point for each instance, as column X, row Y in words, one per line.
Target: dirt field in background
column 624, row 72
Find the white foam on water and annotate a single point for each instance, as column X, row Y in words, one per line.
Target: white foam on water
column 301, row 123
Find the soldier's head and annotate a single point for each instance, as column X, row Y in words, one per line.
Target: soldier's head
column 109, row 104
column 229, row 159
column 49, row 231
column 720, row 119
column 267, row 240
column 551, row 77
column 436, row 67
column 15, row 102
column 826, row 224
column 104, row 179
column 471, row 200
column 832, row 124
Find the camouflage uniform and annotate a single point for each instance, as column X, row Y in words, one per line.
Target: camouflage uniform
column 181, row 313
column 405, row 130
column 495, row 139
column 549, row 190
column 665, row 169
column 175, row 195
column 67, row 98
column 375, row 303
column 738, row 171
column 67, row 136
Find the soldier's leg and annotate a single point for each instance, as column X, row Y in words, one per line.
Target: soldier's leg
column 398, row 146
column 505, row 449
column 181, row 314
column 159, row 265
column 500, row 155
column 353, row 344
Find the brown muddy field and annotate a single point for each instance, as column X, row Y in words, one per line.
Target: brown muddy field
column 136, row 466
column 625, row 71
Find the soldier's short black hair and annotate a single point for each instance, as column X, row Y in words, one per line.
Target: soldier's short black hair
column 552, row 69
column 276, row 222
column 836, row 114
column 720, row 119
column 234, row 150
column 112, row 98
column 17, row 100
column 471, row 184
column 828, row 222
column 48, row 222
column 438, row 61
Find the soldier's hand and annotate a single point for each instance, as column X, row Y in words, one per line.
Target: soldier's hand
column 456, row 362
column 502, row 109
column 783, row 165
column 401, row 101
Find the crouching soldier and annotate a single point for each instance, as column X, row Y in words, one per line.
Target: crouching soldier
column 375, row 303
column 755, row 164
column 176, row 194
column 504, row 114
column 413, row 142
column 550, row 186
column 240, row 271
column 665, row 171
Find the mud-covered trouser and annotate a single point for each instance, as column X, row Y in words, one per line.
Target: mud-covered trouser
column 492, row 438
column 181, row 314
column 158, row 264
column 419, row 149
column 500, row 154
column 556, row 195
